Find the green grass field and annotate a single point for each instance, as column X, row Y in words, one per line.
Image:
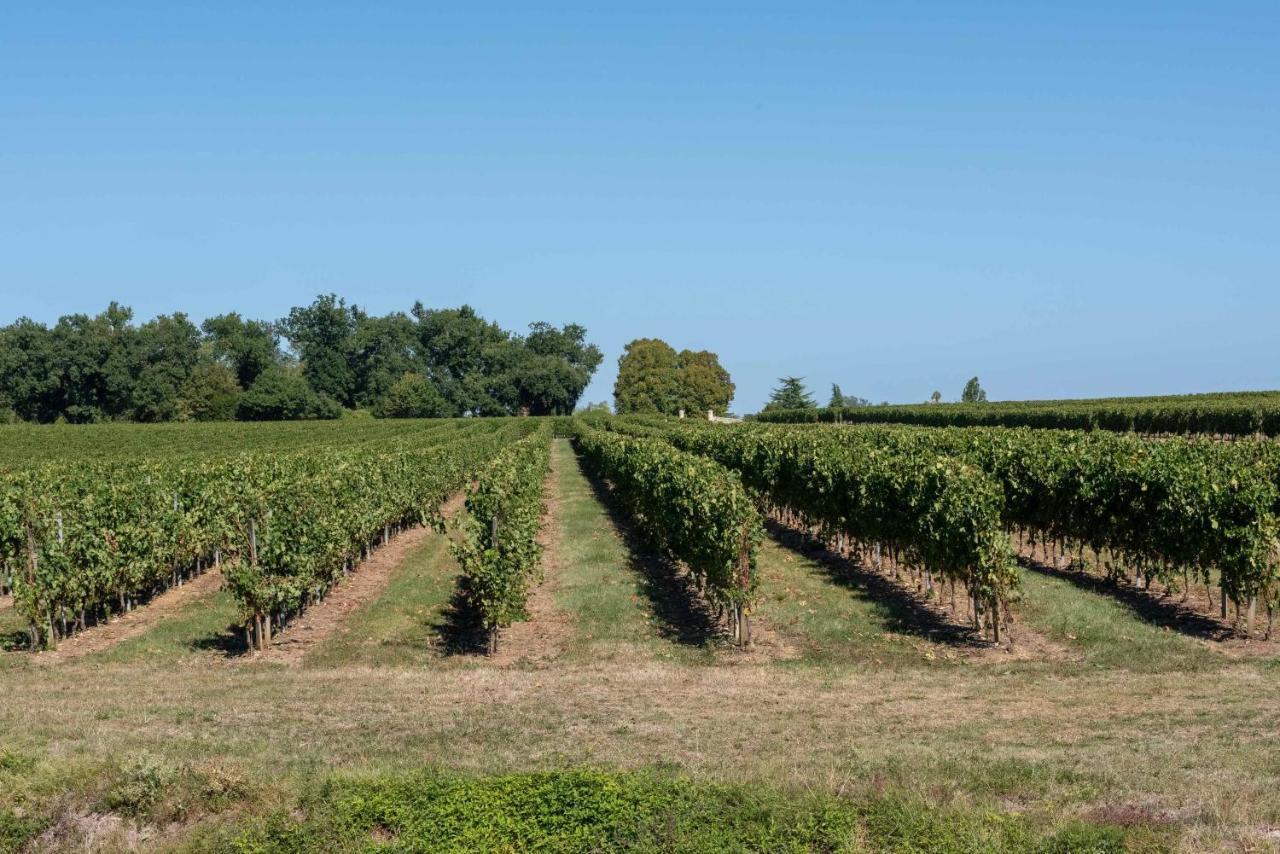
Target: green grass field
column 621, row 718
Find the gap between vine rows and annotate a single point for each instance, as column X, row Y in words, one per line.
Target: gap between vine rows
column 368, row 582
column 917, row 613
column 683, row 614
column 103, row 636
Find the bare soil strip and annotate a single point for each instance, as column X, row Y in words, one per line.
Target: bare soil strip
column 548, row 630
column 140, row 620
column 370, row 579
column 6, row 602
column 930, row 618
column 768, row 643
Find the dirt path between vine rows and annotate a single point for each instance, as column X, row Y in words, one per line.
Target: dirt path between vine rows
column 6, row 602
column 140, row 620
column 549, row 628
column 370, row 579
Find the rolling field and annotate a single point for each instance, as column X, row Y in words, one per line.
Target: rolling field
column 1046, row 706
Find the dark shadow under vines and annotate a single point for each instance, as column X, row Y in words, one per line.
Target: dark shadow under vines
column 684, row 616
column 904, row 611
column 1148, row 605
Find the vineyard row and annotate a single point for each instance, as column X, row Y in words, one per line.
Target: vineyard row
column 1173, row 510
column 81, row 541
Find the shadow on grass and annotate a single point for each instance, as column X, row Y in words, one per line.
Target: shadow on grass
column 229, row 643
column 904, row 612
column 684, row 616
column 461, row 627
column 1147, row 605
column 15, row 641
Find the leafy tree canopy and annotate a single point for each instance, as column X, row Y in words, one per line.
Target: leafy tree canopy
column 248, row 347
column 283, row 394
column 383, row 350
column 842, row 401
column 653, row 377
column 323, row 334
column 704, row 384
column 648, row 378
column 554, row 368
column 106, row 367
column 211, row 393
column 412, row 396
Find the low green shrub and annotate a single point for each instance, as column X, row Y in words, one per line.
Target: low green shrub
column 587, row 811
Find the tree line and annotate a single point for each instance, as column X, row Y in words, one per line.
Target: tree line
column 316, row 362
column 791, row 393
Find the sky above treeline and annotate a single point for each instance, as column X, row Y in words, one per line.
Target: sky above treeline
column 1064, row 199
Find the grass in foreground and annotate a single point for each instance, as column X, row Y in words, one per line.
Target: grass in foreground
column 587, row 811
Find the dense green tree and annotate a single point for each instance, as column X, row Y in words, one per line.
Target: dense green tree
column 211, row 393
column 470, row 360
column 248, row 347
column 973, row 392
column 648, row 378
column 94, row 363
column 165, row 351
column 384, row 349
column 653, row 377
column 704, row 384
column 29, row 380
column 554, row 368
column 98, row 368
column 283, row 394
column 106, row 368
column 837, row 397
column 936, row 397
column 323, row 336
column 412, row 396
column 790, row 394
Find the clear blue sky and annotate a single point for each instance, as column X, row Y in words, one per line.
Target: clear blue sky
column 1068, row 199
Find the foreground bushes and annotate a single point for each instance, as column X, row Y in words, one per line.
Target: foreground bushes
column 588, row 811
